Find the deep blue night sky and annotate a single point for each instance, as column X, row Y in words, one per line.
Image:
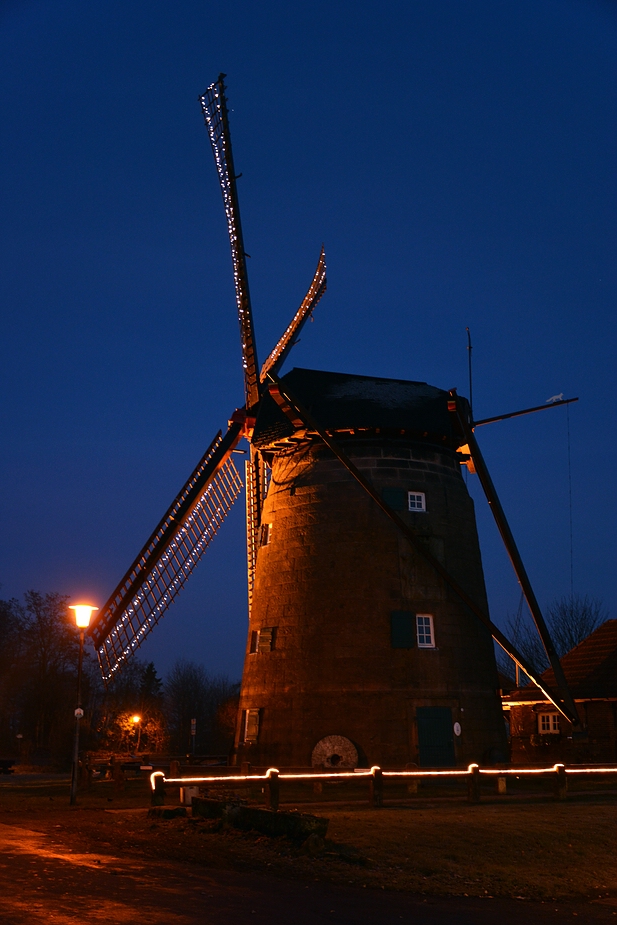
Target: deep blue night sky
column 456, row 158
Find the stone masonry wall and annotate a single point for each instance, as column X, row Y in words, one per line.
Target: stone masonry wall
column 334, row 570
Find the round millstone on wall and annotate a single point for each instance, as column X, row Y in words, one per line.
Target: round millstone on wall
column 335, row 752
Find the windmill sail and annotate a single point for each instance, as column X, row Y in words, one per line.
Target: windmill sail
column 170, row 555
column 214, row 107
column 312, row 297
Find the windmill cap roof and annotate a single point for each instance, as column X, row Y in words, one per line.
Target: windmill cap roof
column 341, row 401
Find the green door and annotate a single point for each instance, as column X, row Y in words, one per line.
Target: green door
column 435, row 737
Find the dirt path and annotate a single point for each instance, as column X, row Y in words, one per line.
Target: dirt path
column 53, row 874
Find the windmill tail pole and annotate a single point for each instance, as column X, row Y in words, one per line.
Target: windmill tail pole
column 455, row 406
column 298, row 414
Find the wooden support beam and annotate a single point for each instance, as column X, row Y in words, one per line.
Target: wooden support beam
column 473, row 784
column 273, row 791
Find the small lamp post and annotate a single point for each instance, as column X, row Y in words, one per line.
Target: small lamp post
column 136, row 720
column 83, row 613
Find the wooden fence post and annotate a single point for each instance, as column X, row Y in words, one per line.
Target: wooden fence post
column 376, row 787
column 473, row 784
column 158, row 794
column 272, row 791
column 561, row 782
column 412, row 782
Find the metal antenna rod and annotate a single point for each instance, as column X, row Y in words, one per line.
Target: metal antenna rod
column 570, row 498
column 469, row 349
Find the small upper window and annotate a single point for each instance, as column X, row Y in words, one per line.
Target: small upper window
column 424, row 629
column 265, row 534
column 548, row 723
column 416, row 501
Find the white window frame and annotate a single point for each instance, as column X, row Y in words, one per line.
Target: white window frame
column 418, row 500
column 421, row 630
column 251, row 718
column 548, row 724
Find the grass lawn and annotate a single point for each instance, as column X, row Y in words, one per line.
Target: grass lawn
column 522, row 846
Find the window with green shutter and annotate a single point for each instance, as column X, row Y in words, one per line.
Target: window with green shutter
column 402, row 629
column 395, row 498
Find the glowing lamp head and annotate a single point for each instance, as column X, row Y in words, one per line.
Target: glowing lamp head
column 136, row 719
column 83, row 614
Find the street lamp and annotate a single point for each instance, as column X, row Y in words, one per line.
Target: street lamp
column 83, row 613
column 136, row 720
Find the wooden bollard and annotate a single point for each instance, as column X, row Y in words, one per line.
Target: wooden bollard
column 376, row 787
column 473, row 784
column 85, row 773
column 272, row 791
column 117, row 774
column 245, row 768
column 561, row 782
column 501, row 785
column 174, row 768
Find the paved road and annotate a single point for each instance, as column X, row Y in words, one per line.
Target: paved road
column 42, row 880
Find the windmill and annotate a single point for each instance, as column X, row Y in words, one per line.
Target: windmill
column 369, row 632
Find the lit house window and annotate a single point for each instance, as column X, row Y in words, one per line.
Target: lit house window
column 265, row 534
column 251, row 725
column 548, row 723
column 424, row 630
column 416, row 501
column 263, row 640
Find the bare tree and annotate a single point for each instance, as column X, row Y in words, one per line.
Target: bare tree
column 38, row 662
column 191, row 693
column 570, row 619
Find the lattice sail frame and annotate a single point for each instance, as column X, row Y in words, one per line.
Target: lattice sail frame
column 288, row 339
column 169, row 557
column 214, row 108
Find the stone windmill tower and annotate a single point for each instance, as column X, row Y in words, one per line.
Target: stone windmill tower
column 369, row 635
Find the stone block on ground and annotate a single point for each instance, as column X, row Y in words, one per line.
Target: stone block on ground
column 294, row 825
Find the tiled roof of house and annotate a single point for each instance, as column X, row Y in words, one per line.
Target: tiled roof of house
column 590, row 667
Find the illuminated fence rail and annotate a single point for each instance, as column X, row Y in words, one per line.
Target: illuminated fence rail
column 376, row 777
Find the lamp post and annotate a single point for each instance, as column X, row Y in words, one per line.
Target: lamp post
column 136, row 720
column 83, row 613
